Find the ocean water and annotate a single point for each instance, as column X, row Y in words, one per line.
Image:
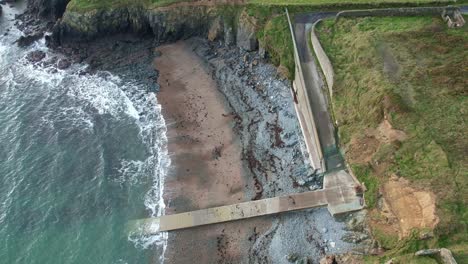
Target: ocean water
column 80, row 155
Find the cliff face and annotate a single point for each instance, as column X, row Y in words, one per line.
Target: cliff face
column 51, row 9
column 166, row 24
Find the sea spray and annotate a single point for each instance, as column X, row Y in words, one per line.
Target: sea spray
column 77, row 148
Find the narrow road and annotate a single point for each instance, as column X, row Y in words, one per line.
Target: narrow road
column 317, row 90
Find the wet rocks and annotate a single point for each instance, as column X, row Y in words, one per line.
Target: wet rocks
column 27, row 40
column 267, row 124
column 36, row 56
column 63, row 64
column 49, row 9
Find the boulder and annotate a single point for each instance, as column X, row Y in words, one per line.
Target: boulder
column 444, row 254
column 303, row 260
column 63, row 64
column 27, row 40
column 36, row 56
column 246, row 32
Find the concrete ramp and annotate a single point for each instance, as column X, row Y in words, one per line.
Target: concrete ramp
column 339, row 195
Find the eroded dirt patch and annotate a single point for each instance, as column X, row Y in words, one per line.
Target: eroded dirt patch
column 412, row 208
column 362, row 148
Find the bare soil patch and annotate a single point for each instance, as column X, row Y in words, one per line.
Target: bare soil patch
column 414, row 209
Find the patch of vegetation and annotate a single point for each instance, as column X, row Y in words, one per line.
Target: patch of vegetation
column 412, row 71
column 341, row 2
column 276, row 39
column 86, row 5
column 387, row 241
column 364, row 175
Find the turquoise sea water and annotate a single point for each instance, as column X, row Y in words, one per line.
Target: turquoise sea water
column 79, row 157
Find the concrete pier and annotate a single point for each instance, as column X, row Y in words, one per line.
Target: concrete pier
column 339, row 195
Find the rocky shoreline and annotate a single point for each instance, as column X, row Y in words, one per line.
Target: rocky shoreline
column 265, row 121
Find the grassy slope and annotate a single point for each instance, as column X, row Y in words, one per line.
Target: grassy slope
column 86, row 5
column 341, row 2
column 428, row 100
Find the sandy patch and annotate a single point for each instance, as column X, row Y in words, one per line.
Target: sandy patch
column 412, row 208
column 207, row 169
column 203, row 147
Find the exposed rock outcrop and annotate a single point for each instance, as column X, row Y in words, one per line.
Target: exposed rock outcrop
column 246, row 36
column 216, row 30
column 444, row 254
column 36, row 56
column 165, row 24
column 27, row 40
column 50, row 9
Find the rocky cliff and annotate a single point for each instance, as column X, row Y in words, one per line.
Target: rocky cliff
column 50, row 9
column 222, row 23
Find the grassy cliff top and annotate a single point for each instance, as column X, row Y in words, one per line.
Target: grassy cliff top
column 87, row 5
column 412, row 72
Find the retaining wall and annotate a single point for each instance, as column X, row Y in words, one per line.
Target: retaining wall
column 304, row 111
column 323, row 60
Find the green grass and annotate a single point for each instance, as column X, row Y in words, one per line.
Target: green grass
column 86, row 5
column 341, row 2
column 89, row 5
column 425, row 95
column 276, row 38
column 364, row 175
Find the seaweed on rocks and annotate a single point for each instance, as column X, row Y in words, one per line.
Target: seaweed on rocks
column 273, row 150
column 267, row 125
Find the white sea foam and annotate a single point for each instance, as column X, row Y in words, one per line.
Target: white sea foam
column 153, row 132
column 106, row 94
